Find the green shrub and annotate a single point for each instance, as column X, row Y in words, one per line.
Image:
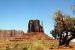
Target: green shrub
column 38, row 45
column 39, row 48
column 7, row 48
column 25, row 48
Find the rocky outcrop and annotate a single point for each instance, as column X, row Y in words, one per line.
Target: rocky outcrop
column 34, row 26
column 10, row 34
column 35, row 31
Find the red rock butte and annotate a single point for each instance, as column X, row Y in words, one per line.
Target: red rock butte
column 35, row 31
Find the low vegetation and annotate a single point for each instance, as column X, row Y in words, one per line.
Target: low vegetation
column 22, row 45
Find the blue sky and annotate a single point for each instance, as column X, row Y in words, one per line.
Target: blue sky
column 15, row 14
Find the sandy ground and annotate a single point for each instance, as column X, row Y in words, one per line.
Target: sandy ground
column 64, row 48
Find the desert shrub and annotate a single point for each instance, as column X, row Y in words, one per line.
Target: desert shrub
column 39, row 48
column 38, row 45
column 16, row 45
column 7, row 48
column 25, row 49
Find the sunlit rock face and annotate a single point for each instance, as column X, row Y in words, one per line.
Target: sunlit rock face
column 35, row 32
column 20, row 35
column 10, row 34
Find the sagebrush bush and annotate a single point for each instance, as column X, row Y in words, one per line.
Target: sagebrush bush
column 7, row 48
column 25, row 49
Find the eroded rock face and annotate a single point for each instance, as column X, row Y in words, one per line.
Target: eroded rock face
column 35, row 31
column 10, row 34
column 34, row 26
column 20, row 35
